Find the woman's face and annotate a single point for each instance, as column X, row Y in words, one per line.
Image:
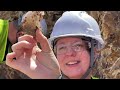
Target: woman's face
column 73, row 57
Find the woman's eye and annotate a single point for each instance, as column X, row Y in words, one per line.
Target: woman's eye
column 77, row 45
column 61, row 48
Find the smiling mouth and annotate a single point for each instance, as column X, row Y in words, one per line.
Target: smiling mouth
column 73, row 63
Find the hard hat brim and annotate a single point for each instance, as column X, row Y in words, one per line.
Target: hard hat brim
column 97, row 38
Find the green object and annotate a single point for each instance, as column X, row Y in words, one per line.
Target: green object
column 4, row 24
column 94, row 77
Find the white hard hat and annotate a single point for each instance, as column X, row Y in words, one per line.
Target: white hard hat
column 76, row 23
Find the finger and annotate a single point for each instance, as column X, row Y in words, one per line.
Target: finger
column 21, row 47
column 22, row 44
column 43, row 41
column 28, row 38
column 10, row 58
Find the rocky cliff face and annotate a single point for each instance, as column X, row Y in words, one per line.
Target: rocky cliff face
column 109, row 63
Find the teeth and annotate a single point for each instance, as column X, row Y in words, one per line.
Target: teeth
column 70, row 63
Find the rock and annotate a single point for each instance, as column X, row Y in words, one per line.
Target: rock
column 109, row 64
column 31, row 22
column 7, row 72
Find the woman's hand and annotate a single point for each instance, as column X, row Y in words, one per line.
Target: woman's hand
column 31, row 60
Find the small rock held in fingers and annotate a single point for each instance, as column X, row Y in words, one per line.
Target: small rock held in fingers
column 31, row 22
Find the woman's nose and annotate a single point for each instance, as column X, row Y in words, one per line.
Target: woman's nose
column 70, row 52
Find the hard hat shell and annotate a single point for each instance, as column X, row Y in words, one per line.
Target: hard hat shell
column 76, row 23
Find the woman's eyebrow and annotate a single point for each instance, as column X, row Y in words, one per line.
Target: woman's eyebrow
column 61, row 43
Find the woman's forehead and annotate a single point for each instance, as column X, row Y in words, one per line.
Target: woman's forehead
column 68, row 39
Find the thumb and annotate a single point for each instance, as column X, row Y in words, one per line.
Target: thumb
column 43, row 41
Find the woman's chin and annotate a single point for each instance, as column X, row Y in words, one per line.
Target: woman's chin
column 75, row 75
